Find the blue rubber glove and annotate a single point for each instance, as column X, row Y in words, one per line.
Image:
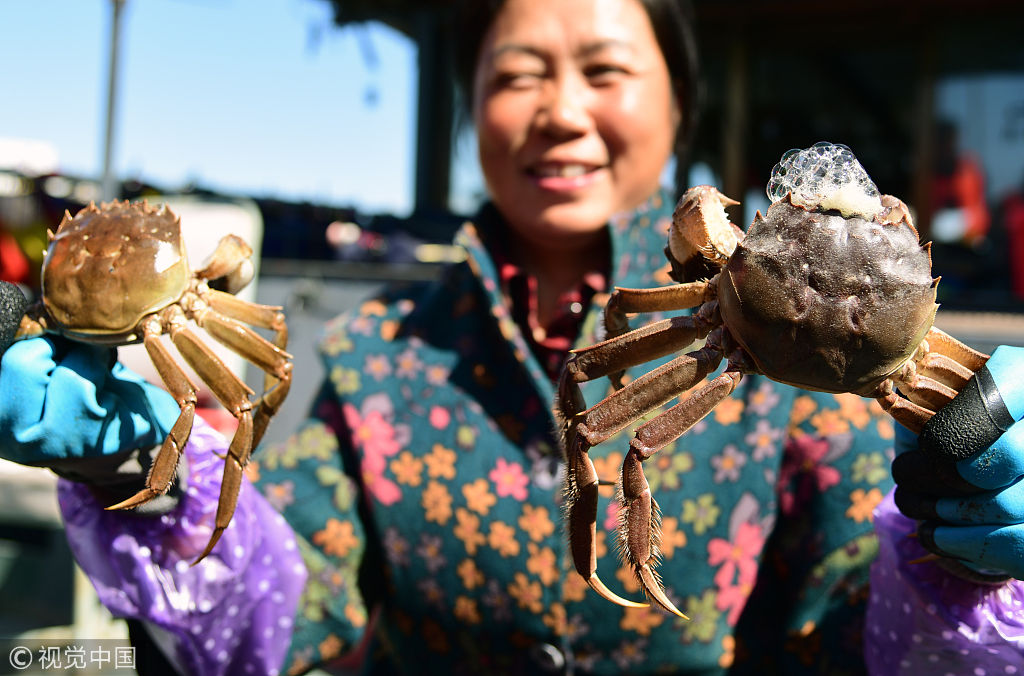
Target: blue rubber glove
column 962, row 476
column 71, row 407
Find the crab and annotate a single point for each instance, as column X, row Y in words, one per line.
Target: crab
column 829, row 290
column 118, row 274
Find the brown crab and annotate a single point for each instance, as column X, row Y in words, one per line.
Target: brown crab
column 808, row 297
column 118, row 274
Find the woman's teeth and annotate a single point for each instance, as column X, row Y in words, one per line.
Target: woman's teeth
column 563, row 171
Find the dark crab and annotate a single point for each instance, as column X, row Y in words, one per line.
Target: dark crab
column 830, row 290
column 117, row 275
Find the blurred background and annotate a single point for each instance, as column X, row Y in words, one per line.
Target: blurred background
column 326, row 132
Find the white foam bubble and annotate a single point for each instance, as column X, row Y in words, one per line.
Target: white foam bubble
column 825, row 176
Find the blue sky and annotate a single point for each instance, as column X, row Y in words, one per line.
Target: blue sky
column 269, row 98
column 261, row 97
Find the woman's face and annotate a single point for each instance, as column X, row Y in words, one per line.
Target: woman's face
column 575, row 115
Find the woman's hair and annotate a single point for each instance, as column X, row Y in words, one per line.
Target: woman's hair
column 673, row 24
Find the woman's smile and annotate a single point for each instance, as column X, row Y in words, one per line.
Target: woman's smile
column 564, row 177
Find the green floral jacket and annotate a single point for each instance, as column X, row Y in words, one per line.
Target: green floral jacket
column 427, row 483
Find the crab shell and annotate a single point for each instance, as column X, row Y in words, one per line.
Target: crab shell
column 825, row 302
column 106, row 269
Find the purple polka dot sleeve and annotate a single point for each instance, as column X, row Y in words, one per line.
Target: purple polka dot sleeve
column 230, row 614
column 922, row 620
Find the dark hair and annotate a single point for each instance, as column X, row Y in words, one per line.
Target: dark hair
column 673, row 23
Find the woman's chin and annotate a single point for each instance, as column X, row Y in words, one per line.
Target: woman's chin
column 560, row 226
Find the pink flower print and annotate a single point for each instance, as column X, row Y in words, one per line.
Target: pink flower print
column 804, row 472
column 611, row 521
column 738, row 561
column 737, row 557
column 280, row 495
column 509, row 479
column 733, row 598
column 373, row 434
column 376, row 437
column 384, row 490
column 439, row 417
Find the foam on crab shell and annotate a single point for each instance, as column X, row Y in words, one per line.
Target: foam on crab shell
column 825, row 176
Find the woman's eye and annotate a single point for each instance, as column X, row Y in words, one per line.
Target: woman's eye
column 516, row 80
column 604, row 73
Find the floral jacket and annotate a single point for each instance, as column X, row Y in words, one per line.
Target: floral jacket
column 427, row 483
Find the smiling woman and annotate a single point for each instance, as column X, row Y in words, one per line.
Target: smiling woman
column 575, row 117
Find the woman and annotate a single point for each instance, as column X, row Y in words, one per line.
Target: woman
column 422, row 498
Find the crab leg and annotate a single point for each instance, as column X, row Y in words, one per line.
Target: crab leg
column 158, row 481
column 942, row 343
column 663, row 298
column 233, row 394
column 903, row 411
column 613, row 356
column 644, row 394
column 639, row 520
column 224, row 324
column 581, row 510
column 942, row 359
column 587, row 428
column 263, row 316
column 941, row 366
column 921, row 389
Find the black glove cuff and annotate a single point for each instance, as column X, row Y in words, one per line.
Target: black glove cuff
column 117, row 477
column 970, row 423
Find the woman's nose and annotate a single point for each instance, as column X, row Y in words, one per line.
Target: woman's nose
column 565, row 111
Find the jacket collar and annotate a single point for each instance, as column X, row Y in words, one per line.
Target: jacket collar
column 638, row 260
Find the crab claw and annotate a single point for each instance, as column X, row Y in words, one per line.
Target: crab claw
column 595, row 583
column 701, row 232
column 652, row 587
column 229, row 267
column 640, row 530
column 581, row 512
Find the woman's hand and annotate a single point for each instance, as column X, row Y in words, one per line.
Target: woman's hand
column 962, row 476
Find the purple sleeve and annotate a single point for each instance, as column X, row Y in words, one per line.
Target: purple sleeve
column 923, row 620
column 230, row 614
